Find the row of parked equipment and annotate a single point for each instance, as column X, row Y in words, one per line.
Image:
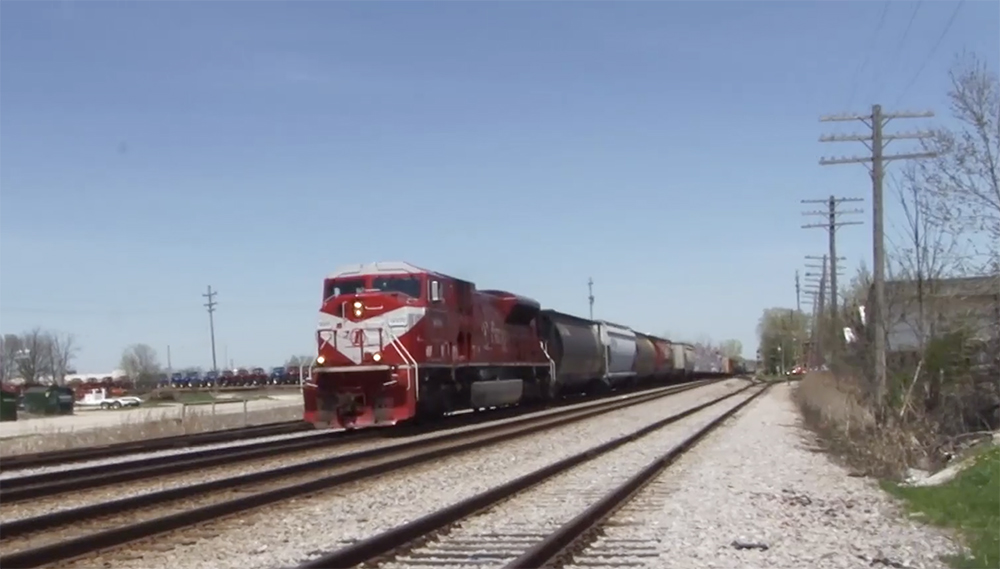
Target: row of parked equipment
column 241, row 377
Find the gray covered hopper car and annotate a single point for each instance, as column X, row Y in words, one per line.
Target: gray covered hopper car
column 574, row 346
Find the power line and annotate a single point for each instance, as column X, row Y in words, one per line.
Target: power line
column 899, row 46
column 877, row 142
column 868, row 53
column 211, row 321
column 831, row 226
column 937, row 44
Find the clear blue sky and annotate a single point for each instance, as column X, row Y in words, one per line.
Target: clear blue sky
column 152, row 148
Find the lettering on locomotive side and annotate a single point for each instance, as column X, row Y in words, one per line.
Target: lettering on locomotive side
column 494, row 335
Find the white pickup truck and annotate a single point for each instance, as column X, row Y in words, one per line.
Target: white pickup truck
column 99, row 398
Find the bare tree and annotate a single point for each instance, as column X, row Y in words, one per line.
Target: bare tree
column 34, row 361
column 62, row 350
column 10, row 349
column 926, row 254
column 964, row 180
column 140, row 363
column 296, row 361
column 731, row 348
column 781, row 332
column 705, row 341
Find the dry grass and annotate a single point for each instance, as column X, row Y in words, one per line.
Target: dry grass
column 835, row 410
column 135, row 427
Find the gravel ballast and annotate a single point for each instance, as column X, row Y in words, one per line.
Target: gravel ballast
column 31, row 508
column 501, row 534
column 752, row 494
column 288, row 533
column 131, row 457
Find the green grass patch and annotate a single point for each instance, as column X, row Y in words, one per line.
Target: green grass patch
column 969, row 503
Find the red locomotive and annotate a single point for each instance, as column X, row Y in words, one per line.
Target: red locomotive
column 397, row 342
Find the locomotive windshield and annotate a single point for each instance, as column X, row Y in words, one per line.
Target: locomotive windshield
column 346, row 286
column 410, row 286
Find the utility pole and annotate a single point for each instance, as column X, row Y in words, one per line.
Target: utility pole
column 823, row 276
column 798, row 293
column 169, row 367
column 877, row 141
column 818, row 284
column 590, row 287
column 211, row 321
column 831, row 226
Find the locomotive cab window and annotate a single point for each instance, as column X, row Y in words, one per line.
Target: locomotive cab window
column 339, row 287
column 410, row 286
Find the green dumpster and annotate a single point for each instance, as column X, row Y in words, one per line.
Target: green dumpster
column 49, row 400
column 8, row 405
column 63, row 400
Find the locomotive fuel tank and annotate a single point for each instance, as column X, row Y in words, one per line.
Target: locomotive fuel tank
column 619, row 345
column 645, row 356
column 574, row 346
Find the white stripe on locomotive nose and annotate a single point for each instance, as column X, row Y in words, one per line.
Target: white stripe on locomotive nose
column 399, row 320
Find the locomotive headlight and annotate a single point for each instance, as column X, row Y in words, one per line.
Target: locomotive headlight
column 377, row 356
column 358, row 308
column 321, row 360
column 357, row 305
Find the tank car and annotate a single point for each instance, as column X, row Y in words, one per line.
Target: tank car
column 397, row 342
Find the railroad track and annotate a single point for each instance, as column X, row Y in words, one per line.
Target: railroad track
column 67, row 456
column 48, row 484
column 53, row 483
column 106, row 525
column 514, row 525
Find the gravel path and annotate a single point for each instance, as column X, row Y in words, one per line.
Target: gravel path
column 284, row 534
column 755, row 483
column 503, row 533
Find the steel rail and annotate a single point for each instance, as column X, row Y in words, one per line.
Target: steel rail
column 560, row 542
column 370, row 550
column 80, row 454
column 394, row 458
column 48, row 484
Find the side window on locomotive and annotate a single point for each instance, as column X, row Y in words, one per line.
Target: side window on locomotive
column 435, row 292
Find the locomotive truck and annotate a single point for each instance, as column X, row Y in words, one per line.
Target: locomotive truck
column 397, row 342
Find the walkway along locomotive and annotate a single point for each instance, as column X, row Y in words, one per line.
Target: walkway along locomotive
column 397, row 342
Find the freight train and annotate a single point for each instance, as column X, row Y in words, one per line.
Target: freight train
column 397, row 343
